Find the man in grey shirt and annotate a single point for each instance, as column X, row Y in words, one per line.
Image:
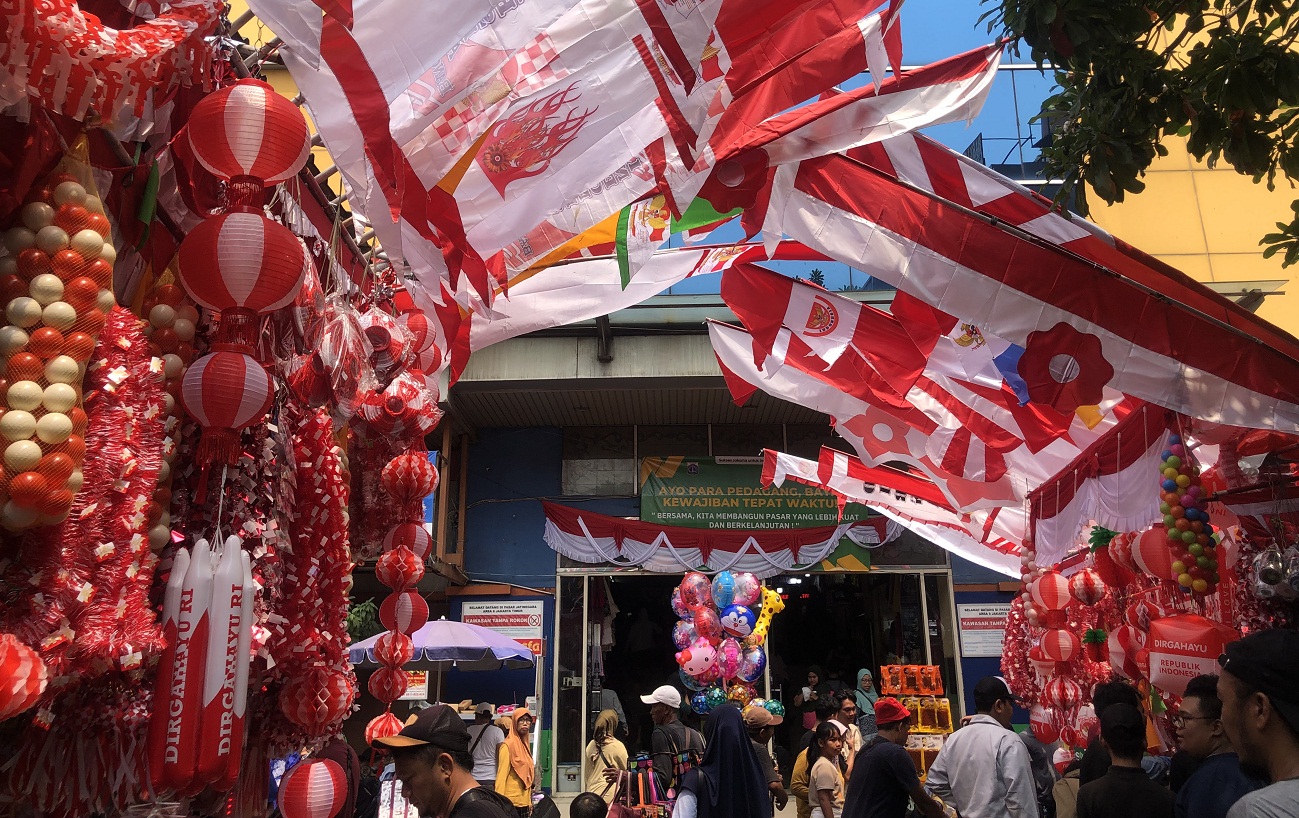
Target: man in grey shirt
column 484, row 738
column 984, row 769
column 1260, row 714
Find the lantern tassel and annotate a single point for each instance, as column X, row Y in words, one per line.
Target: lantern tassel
column 218, row 446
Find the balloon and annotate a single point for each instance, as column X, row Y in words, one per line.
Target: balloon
column 708, row 625
column 775, row 708
column 729, row 655
column 748, row 589
column 715, row 697
column 723, row 589
column 679, row 606
column 752, row 663
column 691, row 682
column 1124, row 642
column 1044, row 722
column 699, row 703
column 697, row 658
column 772, row 604
column 683, row 633
column 738, row 621
column 741, row 694
column 696, row 590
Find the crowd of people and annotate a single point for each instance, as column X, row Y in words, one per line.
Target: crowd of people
column 1238, row 756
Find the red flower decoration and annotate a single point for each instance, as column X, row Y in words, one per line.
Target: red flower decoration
column 1064, row 368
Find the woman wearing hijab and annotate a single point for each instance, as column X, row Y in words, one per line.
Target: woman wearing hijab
column 866, row 698
column 515, row 771
column 729, row 783
column 807, row 699
column 604, row 752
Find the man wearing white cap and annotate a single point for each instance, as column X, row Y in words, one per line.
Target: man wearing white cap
column 484, row 739
column 673, row 746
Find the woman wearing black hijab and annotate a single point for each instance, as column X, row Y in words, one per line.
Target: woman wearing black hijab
column 730, row 782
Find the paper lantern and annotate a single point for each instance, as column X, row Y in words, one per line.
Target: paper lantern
column 1151, row 554
column 249, row 130
column 406, row 612
column 1059, row 645
column 409, row 535
column 240, row 264
column 313, row 789
column 1141, row 613
column 318, row 698
column 393, row 649
column 382, row 727
column 399, row 569
column 1183, row 647
column 417, row 327
column 409, row 477
column 1045, row 723
column 225, row 391
column 1061, row 693
column 22, row 676
column 1050, row 592
column 388, row 684
column 1042, row 666
column 1087, row 587
column 1124, row 642
column 1121, row 551
column 1110, row 572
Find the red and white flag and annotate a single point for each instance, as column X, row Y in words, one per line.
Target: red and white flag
column 1083, row 329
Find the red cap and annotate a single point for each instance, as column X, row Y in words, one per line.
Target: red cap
column 889, row 710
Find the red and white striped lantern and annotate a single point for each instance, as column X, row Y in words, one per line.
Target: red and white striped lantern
column 1059, row 645
column 22, row 676
column 382, row 727
column 1061, row 693
column 225, row 392
column 388, row 684
column 406, row 612
column 249, row 130
column 1087, row 587
column 393, row 649
column 399, row 569
column 313, row 789
column 1050, row 592
column 1121, row 551
column 409, row 535
column 1124, row 643
column 1151, row 554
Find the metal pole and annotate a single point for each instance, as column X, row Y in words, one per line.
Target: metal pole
column 924, row 619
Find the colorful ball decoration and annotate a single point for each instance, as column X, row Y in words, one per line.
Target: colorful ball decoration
column 699, row 703
column 1087, row 587
column 1189, row 534
column 715, row 696
column 399, row 569
column 315, row 788
column 382, row 726
column 249, row 130
column 22, row 676
column 774, row 707
column 405, row 611
column 225, row 392
column 1060, row 645
column 409, row 477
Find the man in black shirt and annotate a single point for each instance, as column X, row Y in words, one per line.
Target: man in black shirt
column 671, row 743
column 1125, row 789
column 435, row 769
column 883, row 776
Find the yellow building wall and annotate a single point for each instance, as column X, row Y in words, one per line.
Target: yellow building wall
column 1206, row 222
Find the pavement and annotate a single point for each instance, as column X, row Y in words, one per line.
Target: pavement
column 563, row 799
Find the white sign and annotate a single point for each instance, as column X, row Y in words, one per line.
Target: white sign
column 982, row 627
column 416, row 686
column 517, row 620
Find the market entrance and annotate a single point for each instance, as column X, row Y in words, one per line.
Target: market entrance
column 614, row 643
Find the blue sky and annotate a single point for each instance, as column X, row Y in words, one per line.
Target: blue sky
column 933, row 30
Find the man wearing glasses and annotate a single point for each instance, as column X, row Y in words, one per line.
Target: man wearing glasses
column 1218, row 782
column 852, row 740
column 1260, row 713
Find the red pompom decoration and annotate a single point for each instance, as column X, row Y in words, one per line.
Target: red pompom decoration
column 406, row 612
column 399, row 569
column 388, row 684
column 409, row 477
column 313, row 789
column 249, row 130
column 393, row 649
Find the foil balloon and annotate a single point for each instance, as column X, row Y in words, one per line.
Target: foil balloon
column 752, row 663
column 697, row 658
column 772, row 604
column 679, row 606
column 699, row 703
column 775, row 708
column 696, row 591
column 738, row 621
column 683, row 633
column 740, row 694
column 708, row 624
column 748, row 589
column 715, row 696
column 729, row 655
column 723, row 589
column 691, row 682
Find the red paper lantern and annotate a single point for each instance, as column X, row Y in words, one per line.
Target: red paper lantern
column 406, row 612
column 225, row 391
column 1110, row 572
column 1124, row 642
column 240, row 264
column 1042, row 666
column 409, row 535
column 318, row 698
column 1121, row 551
column 382, row 727
column 22, row 676
column 249, row 130
column 388, row 684
column 1151, row 555
column 313, row 789
column 1061, row 693
column 418, row 328
column 1045, row 723
column 1050, row 591
column 409, row 477
column 399, row 569
column 393, row 649
column 1141, row 613
column 1059, row 645
column 1087, row 587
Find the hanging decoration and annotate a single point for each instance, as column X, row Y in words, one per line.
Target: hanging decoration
column 315, row 788
column 22, row 676
column 1190, row 535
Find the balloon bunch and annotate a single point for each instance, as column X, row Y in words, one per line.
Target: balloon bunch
column 1190, row 535
column 240, row 264
column 407, row 478
column 200, row 699
column 56, row 287
column 720, row 638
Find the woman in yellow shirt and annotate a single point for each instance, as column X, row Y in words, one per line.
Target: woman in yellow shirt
column 515, row 770
column 604, row 752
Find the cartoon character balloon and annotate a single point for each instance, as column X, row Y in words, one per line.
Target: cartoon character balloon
column 748, row 589
column 698, row 658
column 729, row 656
column 772, row 604
column 708, row 625
column 679, row 606
column 683, row 633
column 723, row 589
column 696, row 591
column 738, row 621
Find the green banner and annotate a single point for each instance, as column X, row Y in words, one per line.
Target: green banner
column 728, row 493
